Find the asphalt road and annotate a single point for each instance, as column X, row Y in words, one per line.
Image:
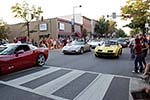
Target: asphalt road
column 88, row 62
column 72, row 77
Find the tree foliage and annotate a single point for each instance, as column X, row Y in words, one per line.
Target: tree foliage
column 102, row 26
column 112, row 26
column 105, row 26
column 25, row 12
column 121, row 33
column 3, row 29
column 137, row 12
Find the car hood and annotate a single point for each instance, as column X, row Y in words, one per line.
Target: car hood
column 108, row 47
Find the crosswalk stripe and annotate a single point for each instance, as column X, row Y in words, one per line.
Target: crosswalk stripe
column 58, row 83
column 33, row 76
column 97, row 90
column 31, row 90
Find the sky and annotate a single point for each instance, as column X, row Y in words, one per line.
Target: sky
column 54, row 8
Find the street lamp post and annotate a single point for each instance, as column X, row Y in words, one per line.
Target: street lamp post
column 73, row 19
column 147, row 25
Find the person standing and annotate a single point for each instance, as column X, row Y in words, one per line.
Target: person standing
column 148, row 41
column 145, row 47
column 138, row 56
column 131, row 45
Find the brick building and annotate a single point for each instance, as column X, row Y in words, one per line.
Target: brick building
column 56, row 27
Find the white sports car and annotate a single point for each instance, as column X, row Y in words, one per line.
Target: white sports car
column 76, row 47
column 94, row 43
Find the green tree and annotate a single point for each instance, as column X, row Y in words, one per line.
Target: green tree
column 4, row 29
column 121, row 33
column 26, row 13
column 102, row 26
column 134, row 31
column 105, row 26
column 137, row 12
column 112, row 26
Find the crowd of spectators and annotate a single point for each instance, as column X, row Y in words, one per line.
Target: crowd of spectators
column 46, row 41
column 4, row 41
column 53, row 43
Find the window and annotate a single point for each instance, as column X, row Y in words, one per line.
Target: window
column 44, row 27
column 22, row 47
column 61, row 26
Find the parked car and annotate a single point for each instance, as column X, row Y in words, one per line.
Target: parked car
column 123, row 42
column 109, row 48
column 94, row 43
column 76, row 47
column 16, row 56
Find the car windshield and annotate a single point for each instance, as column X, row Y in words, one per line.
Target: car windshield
column 33, row 47
column 6, row 50
column 2, row 48
column 121, row 40
column 110, row 43
column 77, row 43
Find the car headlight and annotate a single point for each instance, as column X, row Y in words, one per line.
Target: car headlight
column 97, row 47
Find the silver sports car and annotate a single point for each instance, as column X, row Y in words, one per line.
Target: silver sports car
column 76, row 47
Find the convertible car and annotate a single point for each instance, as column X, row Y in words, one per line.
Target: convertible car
column 108, row 48
column 76, row 47
column 94, row 43
column 16, row 56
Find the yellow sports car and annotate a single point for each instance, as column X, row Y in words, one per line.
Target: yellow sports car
column 108, row 48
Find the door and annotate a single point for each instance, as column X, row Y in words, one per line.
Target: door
column 22, row 56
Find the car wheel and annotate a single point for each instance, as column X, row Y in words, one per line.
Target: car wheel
column 118, row 54
column 96, row 55
column 81, row 50
column 89, row 50
column 64, row 53
column 120, row 51
column 41, row 60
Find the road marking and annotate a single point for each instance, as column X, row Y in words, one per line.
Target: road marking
column 58, row 83
column 33, row 76
column 94, row 72
column 97, row 89
column 32, row 91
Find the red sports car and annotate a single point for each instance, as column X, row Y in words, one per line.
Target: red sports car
column 16, row 56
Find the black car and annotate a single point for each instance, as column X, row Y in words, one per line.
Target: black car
column 123, row 42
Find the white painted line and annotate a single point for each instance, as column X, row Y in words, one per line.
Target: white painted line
column 58, row 83
column 33, row 76
column 30, row 90
column 97, row 90
column 128, row 77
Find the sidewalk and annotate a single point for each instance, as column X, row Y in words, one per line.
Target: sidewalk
column 137, row 83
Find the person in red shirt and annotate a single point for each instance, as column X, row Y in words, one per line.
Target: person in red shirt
column 138, row 54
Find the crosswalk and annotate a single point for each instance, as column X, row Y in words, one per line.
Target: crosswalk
column 66, row 84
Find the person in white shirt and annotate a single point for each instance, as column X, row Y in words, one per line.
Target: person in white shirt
column 131, row 44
